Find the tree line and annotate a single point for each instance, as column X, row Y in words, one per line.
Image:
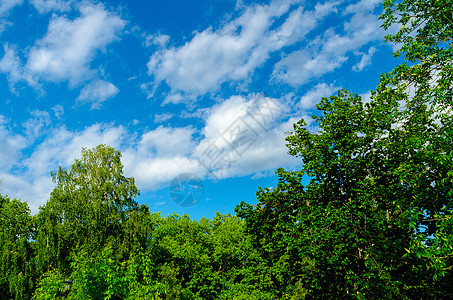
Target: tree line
column 373, row 222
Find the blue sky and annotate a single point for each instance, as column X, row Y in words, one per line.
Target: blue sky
column 177, row 86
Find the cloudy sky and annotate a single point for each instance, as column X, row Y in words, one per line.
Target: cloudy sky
column 203, row 87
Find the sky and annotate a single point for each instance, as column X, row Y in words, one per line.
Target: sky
column 201, row 89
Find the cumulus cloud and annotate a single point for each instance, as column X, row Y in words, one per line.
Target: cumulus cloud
column 160, row 155
column 63, row 146
column 153, row 158
column 366, row 97
column 268, row 153
column 97, row 92
column 35, row 191
column 7, row 5
column 235, row 50
column 69, row 46
column 313, row 96
column 300, row 66
column 156, row 39
column 175, row 98
column 67, row 50
column 244, row 136
column 159, row 118
column 334, row 47
column 165, row 141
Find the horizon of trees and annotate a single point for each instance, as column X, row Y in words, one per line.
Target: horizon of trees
column 375, row 220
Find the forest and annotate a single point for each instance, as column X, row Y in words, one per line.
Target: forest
column 375, row 220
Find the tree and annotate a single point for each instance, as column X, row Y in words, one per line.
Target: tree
column 16, row 260
column 87, row 209
column 376, row 216
column 425, row 39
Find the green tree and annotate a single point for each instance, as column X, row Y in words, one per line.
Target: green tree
column 97, row 275
column 87, row 209
column 51, row 286
column 375, row 219
column 16, row 260
column 424, row 40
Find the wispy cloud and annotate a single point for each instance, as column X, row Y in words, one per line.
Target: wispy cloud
column 11, row 64
column 46, row 6
column 37, row 125
column 366, row 59
column 97, row 92
column 10, row 145
column 5, row 7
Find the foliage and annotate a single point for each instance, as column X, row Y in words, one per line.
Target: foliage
column 51, row 286
column 376, row 215
column 16, row 260
column 424, row 40
column 97, row 275
column 88, row 206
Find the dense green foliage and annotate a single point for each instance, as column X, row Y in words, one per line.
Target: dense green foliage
column 375, row 220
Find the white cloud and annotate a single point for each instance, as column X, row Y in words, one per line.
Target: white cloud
column 162, row 117
column 366, row 97
column 5, row 7
column 157, row 39
column 32, row 182
column 153, row 158
column 300, row 66
column 326, row 8
column 243, row 136
column 36, row 126
column 11, row 65
column 235, row 50
column 45, row 6
column 160, row 155
column 330, row 50
column 362, row 6
column 174, row 98
column 10, row 146
column 365, row 61
column 268, row 153
column 164, row 141
column 313, row 97
column 97, row 92
column 157, row 173
column 223, row 115
column 67, row 51
column 35, row 191
column 63, row 146
column 58, row 111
